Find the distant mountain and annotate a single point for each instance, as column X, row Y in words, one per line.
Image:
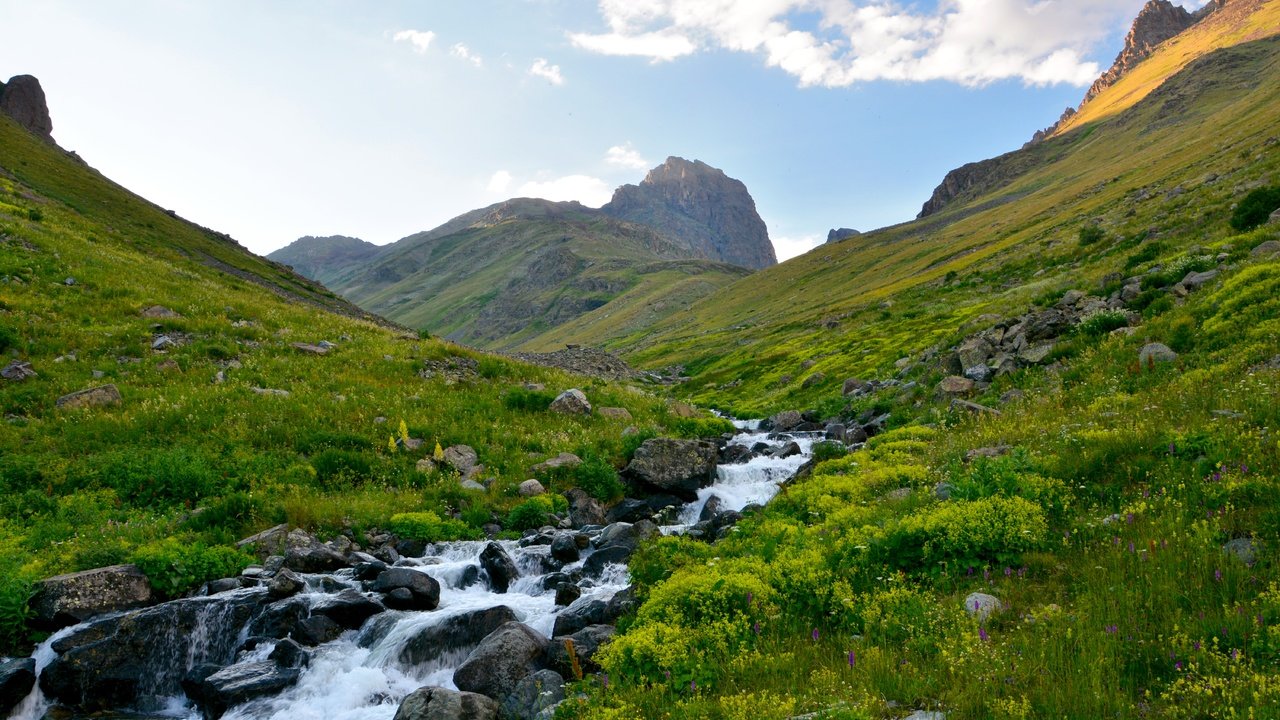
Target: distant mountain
column 515, row 273
column 324, row 258
column 701, row 207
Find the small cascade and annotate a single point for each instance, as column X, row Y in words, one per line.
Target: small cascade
column 364, row 673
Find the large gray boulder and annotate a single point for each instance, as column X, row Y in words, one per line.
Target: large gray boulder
column 571, row 402
column 675, row 467
column 349, row 608
column 534, row 694
column 981, row 605
column 454, row 633
column 421, row 591
column 785, row 420
column 499, row 566
column 101, row 396
column 584, row 509
column 436, row 703
column 462, row 458
column 17, row 677
column 70, row 599
column 1152, row 353
column 585, row 643
column 239, row 683
column 304, row 553
column 502, row 660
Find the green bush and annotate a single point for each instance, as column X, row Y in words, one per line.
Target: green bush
column 15, row 592
column 532, row 513
column 528, row 400
column 429, row 527
column 8, row 338
column 341, row 468
column 236, row 511
column 1256, row 208
column 599, row 478
column 1091, row 235
column 828, row 450
column 174, row 567
column 964, row 534
column 145, row 478
column 695, row 428
column 1102, row 322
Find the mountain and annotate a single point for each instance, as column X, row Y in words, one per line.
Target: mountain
column 324, row 258
column 706, row 210
column 22, row 98
column 535, row 274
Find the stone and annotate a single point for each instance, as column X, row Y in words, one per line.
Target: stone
column 582, row 613
column 786, row 420
column 812, row 380
column 101, row 396
column 1270, row 247
column 499, row 566
column 17, row 678
column 786, row 450
column 953, row 385
column 1036, row 354
column 564, row 548
column 534, row 694
column 245, row 681
column 1194, row 280
column 309, row 349
column 266, row 543
column 23, row 99
column 423, row 590
column 973, row 407
column 584, row 509
column 615, row 413
column 571, row 402
column 567, row 593
column 1130, row 292
column 585, row 643
column 987, row 452
column 158, row 311
column 349, row 608
column 1010, row 396
column 425, row 465
column 462, row 458
column 1243, row 549
column 1070, row 298
column 978, row 373
column 460, row 631
column 437, row 703
column 1274, row 218
column 563, row 460
column 17, row 371
column 315, row 630
column 304, row 553
column 73, row 598
column 273, row 392
column 611, row 555
column 502, row 660
column 676, row 467
column 628, row 535
column 981, row 605
column 1156, row 353
column 974, row 351
column 853, row 386
column 926, row 715
column 630, row 510
column 284, row 584
column 530, row 488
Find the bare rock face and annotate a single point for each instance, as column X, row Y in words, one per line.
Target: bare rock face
column 1158, row 21
column 700, row 207
column 70, row 599
column 22, row 99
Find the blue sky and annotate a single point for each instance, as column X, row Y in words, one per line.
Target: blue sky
column 270, row 119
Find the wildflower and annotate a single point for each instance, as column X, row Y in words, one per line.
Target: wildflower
column 853, row 658
column 750, row 596
column 391, row 443
column 1130, row 546
column 756, row 628
column 604, row 680
column 1235, row 653
column 1217, row 575
column 1128, row 518
column 815, row 634
column 982, row 633
column 1244, row 469
column 1112, row 629
column 1196, row 645
column 1008, row 571
column 693, row 685
column 1177, row 665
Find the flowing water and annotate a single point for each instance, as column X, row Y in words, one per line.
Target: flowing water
column 362, row 675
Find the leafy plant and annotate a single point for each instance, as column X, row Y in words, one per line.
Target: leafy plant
column 1255, row 208
column 174, row 567
column 429, row 527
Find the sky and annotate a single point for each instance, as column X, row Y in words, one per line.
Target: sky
column 274, row 119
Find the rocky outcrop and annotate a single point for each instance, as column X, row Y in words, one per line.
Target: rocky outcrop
column 1158, row 21
column 502, row 660
column 838, row 234
column 17, row 677
column 674, row 467
column 454, row 633
column 22, row 99
column 70, row 599
column 584, row 361
column 102, row 396
column 700, row 207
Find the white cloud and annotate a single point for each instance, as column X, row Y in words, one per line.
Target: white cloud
column 590, row 191
column 462, row 51
column 420, row 39
column 788, row 247
column 499, row 183
column 543, row 69
column 836, row 43
column 625, row 156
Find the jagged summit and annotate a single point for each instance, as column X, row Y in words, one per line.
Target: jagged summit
column 22, row 99
column 701, row 207
column 1158, row 21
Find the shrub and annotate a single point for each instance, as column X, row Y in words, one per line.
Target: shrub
column 828, row 450
column 532, row 513
column 145, row 478
column 34, row 215
column 1091, row 235
column 528, row 400
column 695, row 428
column 596, row 476
column 173, row 566
column 965, row 534
column 429, row 527
column 1102, row 322
column 1256, row 208
column 8, row 338
column 235, row 511
column 341, row 468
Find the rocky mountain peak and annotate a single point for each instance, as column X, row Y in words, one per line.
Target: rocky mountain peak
column 22, row 99
column 1158, row 21
column 700, row 207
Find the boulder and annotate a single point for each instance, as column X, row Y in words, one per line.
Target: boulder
column 785, row 420
column 530, row 488
column 786, row 450
column 612, row 555
column 17, row 678
column 1152, row 353
column 1274, row 217
column 159, row 311
column 101, row 396
column 564, row 548
column 502, row 660
column 1270, row 247
column 585, row 643
column 954, row 385
column 1036, row 354
column 1194, row 280
column 23, row 99
column 437, row 703
column 309, row 349
column 853, row 386
column 349, row 608
column 630, row 510
column 563, row 460
column 615, row 413
column 454, row 633
column 677, row 467
column 567, row 593
column 279, row 619
column 17, row 371
column 315, row 630
column 580, row 614
column 285, row 584
column 422, row 590
column 461, row 458
column 981, row 605
column 1243, row 549
column 289, row 654
column 499, row 566
column 571, row 402
column 584, row 509
column 236, row 684
column 534, row 694
column 735, row 454
column 271, row 541
column 627, row 535
column 710, row 508
column 70, row 599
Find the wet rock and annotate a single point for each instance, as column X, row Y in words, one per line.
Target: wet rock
column 102, row 396
column 612, row 555
column 581, row 614
column 239, row 683
column 627, row 535
column 17, row 678
column 585, row 643
column 785, row 420
column 564, row 548
column 735, row 454
column 315, row 630
column 502, row 660
column 284, row 584
column 499, row 566
column 454, row 633
column 567, row 593
column 1152, row 353
column 531, row 488
column 304, row 553
column 349, row 608
column 535, row 693
column 279, row 619
column 268, row 542
column 422, row 590
column 70, row 599
column 981, row 605
column 289, row 654
column 710, row 508
column 584, row 509
column 213, row 587
column 436, row 703
column 564, row 460
column 786, row 450
column 17, row 371
column 678, row 467
column 571, row 402
column 629, row 510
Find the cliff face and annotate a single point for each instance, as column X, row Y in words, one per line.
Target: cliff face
column 22, row 99
column 1158, row 21
column 700, row 207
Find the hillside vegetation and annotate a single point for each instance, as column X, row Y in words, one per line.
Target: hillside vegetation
column 223, row 425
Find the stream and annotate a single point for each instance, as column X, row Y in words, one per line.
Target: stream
column 366, row 672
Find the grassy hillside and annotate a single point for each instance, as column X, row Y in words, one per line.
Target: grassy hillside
column 503, row 276
column 1156, row 180
column 225, row 427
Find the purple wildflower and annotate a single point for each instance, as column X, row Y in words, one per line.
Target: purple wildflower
column 604, row 679
column 1130, row 546
column 693, row 685
column 1173, row 449
column 750, row 597
column 756, row 628
column 1128, row 518
column 853, row 658
column 982, row 633
column 1235, row 653
column 1217, row 574
column 1177, row 665
column 1196, row 645
column 815, row 634
column 1244, row 469
column 1008, row 571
